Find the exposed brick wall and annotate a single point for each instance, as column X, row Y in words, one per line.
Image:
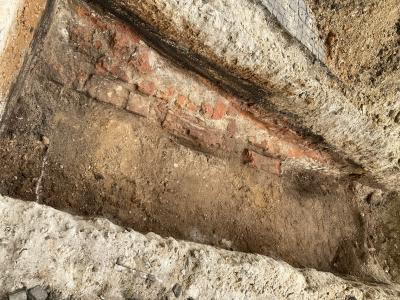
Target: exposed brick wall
column 296, row 17
column 132, row 76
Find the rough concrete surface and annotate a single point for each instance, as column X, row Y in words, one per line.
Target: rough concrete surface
column 95, row 259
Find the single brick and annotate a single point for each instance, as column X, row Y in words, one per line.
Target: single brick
column 219, row 110
column 287, row 148
column 138, row 104
column 120, row 72
column 147, row 87
column 261, row 162
column 123, row 37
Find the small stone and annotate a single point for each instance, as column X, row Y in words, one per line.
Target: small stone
column 37, row 293
column 45, row 141
column 18, row 295
column 177, row 290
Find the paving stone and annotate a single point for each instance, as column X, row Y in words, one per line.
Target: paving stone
column 37, row 293
column 18, row 295
column 177, row 290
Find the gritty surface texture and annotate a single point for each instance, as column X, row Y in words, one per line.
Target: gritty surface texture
column 363, row 46
column 104, row 125
column 248, row 44
column 95, row 259
column 362, row 38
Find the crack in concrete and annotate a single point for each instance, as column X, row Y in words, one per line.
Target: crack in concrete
column 38, row 189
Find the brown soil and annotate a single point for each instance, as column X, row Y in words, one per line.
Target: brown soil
column 61, row 147
column 362, row 38
column 102, row 161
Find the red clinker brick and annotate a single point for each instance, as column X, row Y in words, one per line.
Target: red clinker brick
column 147, row 87
column 206, row 109
column 261, row 162
column 193, row 131
column 180, row 101
column 138, row 104
column 275, row 147
column 119, row 73
column 219, row 110
column 81, row 10
column 94, row 20
column 82, row 36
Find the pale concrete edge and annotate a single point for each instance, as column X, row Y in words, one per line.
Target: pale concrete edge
column 41, row 245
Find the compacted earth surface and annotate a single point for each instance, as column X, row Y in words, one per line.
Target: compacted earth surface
column 101, row 124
